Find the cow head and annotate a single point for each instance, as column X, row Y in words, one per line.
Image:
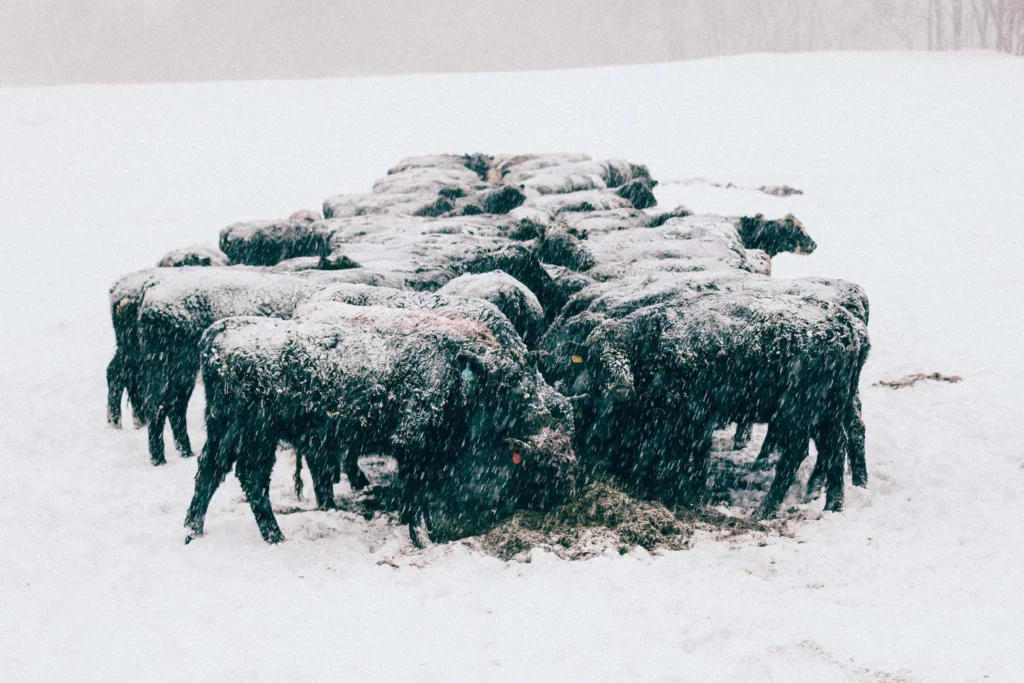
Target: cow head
column 499, row 395
column 640, row 192
column 503, row 200
column 776, row 236
column 508, row 457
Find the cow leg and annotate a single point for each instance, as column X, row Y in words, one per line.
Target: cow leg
column 411, row 486
column 647, row 466
column 817, row 479
column 297, row 475
column 742, row 437
column 832, row 448
column 419, row 511
column 437, row 520
column 769, row 446
column 695, row 457
column 156, row 436
column 209, row 477
column 855, row 443
column 356, row 479
column 794, row 451
column 253, row 472
column 135, row 402
column 115, row 390
column 322, row 472
column 179, row 427
column 419, row 532
column 678, row 467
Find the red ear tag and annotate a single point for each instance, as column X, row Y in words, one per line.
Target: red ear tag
column 516, row 458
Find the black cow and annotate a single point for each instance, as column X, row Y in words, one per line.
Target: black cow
column 668, row 362
column 170, row 320
column 462, row 418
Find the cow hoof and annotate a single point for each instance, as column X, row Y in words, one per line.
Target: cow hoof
column 157, row 462
column 273, row 537
column 187, row 454
column 419, row 532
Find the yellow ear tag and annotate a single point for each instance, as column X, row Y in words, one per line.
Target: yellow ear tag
column 577, row 359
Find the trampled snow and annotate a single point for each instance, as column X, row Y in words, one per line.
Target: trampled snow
column 911, row 167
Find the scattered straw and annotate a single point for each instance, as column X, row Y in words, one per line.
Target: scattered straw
column 606, row 518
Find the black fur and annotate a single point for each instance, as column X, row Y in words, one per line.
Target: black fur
column 664, row 365
column 452, row 412
column 775, row 236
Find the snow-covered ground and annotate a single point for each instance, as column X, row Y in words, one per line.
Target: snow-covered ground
column 914, row 180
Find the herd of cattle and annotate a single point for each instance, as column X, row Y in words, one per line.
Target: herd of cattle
column 502, row 327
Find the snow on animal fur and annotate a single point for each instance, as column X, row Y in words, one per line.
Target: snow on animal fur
column 460, row 417
column 479, row 227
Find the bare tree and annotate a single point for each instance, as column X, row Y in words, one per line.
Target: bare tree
column 894, row 15
column 979, row 11
column 956, row 9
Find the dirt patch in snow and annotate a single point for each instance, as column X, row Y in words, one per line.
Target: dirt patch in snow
column 779, row 190
column 773, row 190
column 606, row 518
column 911, row 380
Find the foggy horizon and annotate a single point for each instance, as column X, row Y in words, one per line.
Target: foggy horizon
column 54, row 42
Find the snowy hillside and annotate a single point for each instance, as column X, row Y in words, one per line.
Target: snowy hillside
column 911, row 167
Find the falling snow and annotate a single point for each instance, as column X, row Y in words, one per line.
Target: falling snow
column 908, row 191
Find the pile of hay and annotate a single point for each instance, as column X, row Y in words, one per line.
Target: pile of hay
column 605, row 518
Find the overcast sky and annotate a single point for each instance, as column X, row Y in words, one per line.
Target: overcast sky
column 75, row 41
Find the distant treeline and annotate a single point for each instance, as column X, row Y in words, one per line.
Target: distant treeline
column 75, row 41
